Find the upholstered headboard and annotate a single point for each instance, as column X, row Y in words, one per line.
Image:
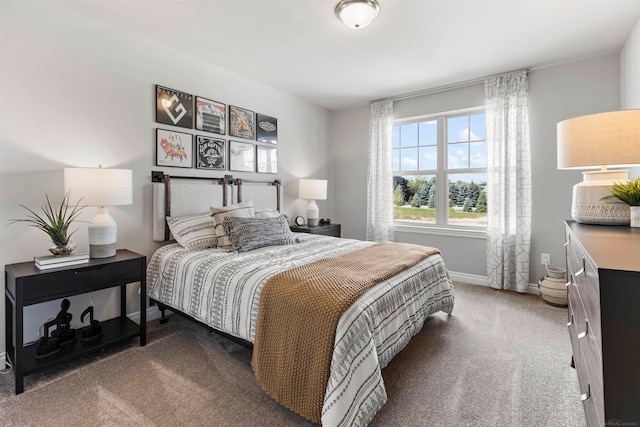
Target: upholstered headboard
column 184, row 195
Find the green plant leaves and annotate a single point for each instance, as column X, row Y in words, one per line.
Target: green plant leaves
column 628, row 192
column 53, row 222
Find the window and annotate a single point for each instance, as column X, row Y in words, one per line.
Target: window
column 440, row 170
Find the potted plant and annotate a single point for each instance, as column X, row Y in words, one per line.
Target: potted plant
column 629, row 193
column 55, row 222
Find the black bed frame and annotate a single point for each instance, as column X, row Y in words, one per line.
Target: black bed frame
column 161, row 177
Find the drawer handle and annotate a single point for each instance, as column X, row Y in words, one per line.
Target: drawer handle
column 88, row 269
column 570, row 282
column 570, row 321
column 586, row 330
column 586, row 395
column 567, row 243
column 581, row 271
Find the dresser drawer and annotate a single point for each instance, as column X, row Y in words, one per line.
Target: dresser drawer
column 592, row 411
column 71, row 281
column 584, row 279
column 593, row 368
column 576, row 311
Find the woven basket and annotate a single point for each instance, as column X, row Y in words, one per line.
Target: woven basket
column 553, row 291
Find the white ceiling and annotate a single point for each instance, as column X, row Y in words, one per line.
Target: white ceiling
column 300, row 47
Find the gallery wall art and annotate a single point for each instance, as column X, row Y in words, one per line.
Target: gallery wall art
column 198, row 148
column 174, row 149
column 173, row 107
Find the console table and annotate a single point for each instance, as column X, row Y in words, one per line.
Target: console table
column 27, row 285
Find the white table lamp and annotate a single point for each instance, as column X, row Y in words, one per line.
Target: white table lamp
column 599, row 141
column 100, row 187
column 312, row 190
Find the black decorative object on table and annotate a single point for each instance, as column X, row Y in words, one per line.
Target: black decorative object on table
column 93, row 332
column 64, row 332
column 48, row 345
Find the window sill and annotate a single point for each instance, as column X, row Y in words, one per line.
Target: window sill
column 440, row 230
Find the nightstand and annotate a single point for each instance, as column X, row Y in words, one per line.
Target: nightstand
column 326, row 230
column 27, row 285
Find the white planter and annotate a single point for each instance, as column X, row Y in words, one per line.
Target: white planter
column 635, row 216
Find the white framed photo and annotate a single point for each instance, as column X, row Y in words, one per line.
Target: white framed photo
column 267, row 159
column 241, row 156
column 174, row 149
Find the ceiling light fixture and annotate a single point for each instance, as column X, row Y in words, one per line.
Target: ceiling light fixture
column 357, row 14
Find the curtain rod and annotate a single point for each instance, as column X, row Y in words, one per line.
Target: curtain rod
column 445, row 87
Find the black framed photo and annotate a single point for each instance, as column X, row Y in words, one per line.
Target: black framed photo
column 211, row 153
column 174, row 149
column 241, row 156
column 266, row 159
column 241, row 123
column 173, row 107
column 211, row 116
column 266, row 128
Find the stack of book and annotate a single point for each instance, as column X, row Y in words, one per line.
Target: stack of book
column 57, row 261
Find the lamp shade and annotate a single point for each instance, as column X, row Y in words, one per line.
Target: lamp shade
column 313, row 189
column 99, row 186
column 607, row 139
column 357, row 14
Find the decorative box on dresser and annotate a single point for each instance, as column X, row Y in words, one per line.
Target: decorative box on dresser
column 603, row 268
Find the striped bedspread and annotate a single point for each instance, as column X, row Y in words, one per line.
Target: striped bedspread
column 222, row 289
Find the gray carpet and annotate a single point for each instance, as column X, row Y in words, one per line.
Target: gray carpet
column 501, row 359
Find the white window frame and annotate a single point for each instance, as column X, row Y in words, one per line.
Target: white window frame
column 442, row 203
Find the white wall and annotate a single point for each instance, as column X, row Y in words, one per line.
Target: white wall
column 630, row 78
column 556, row 93
column 78, row 93
column 630, row 70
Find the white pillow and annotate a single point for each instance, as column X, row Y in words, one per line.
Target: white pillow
column 193, row 231
column 240, row 210
column 267, row 213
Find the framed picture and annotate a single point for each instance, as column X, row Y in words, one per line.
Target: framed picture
column 267, row 159
column 211, row 153
column 174, row 149
column 211, row 116
column 241, row 123
column 174, row 108
column 266, row 128
column 241, row 156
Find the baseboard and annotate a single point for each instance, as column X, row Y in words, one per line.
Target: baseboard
column 475, row 279
column 153, row 313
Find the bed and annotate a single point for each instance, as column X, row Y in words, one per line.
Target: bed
column 222, row 289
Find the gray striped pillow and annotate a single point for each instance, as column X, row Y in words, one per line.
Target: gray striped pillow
column 193, row 231
column 247, row 234
column 241, row 210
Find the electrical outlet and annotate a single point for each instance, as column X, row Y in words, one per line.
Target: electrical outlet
column 545, row 259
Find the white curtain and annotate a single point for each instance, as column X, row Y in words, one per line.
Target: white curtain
column 508, row 181
column 380, row 174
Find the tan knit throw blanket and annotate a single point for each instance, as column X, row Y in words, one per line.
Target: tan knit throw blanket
column 298, row 315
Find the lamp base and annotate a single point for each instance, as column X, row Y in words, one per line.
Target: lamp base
column 313, row 214
column 102, row 235
column 593, row 203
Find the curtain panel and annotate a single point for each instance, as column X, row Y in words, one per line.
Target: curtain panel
column 508, row 182
column 380, row 173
